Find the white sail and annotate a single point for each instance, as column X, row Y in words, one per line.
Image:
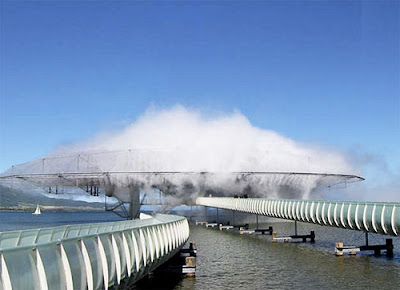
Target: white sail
column 37, row 211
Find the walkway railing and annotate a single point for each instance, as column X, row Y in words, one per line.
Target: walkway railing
column 375, row 217
column 89, row 256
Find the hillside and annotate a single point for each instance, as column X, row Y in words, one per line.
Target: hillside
column 17, row 199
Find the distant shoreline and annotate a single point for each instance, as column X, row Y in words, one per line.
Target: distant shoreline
column 50, row 208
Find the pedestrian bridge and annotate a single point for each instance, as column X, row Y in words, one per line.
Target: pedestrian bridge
column 374, row 217
column 89, row 256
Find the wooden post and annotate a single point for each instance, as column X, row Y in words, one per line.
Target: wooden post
column 274, row 235
column 257, row 221
column 339, row 252
column 312, row 237
column 389, row 248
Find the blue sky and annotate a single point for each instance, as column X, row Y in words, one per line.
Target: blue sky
column 324, row 72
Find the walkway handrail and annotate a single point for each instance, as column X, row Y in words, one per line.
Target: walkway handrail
column 89, row 256
column 375, row 217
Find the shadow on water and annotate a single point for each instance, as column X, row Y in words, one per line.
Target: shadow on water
column 163, row 281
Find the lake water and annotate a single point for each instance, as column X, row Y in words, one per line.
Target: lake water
column 227, row 260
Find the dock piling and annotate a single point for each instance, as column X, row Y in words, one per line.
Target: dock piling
column 352, row 250
column 256, row 221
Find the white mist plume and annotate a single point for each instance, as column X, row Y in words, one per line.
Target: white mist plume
column 223, row 144
column 180, row 139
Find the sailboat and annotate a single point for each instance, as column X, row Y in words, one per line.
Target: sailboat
column 37, row 211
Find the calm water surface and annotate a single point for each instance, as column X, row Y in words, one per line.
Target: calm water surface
column 227, row 260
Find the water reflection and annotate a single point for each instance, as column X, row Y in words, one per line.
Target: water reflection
column 227, row 260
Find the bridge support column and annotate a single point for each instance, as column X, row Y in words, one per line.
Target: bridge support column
column 256, row 221
column 134, row 202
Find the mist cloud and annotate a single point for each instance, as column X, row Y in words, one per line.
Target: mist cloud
column 225, row 143
column 185, row 140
